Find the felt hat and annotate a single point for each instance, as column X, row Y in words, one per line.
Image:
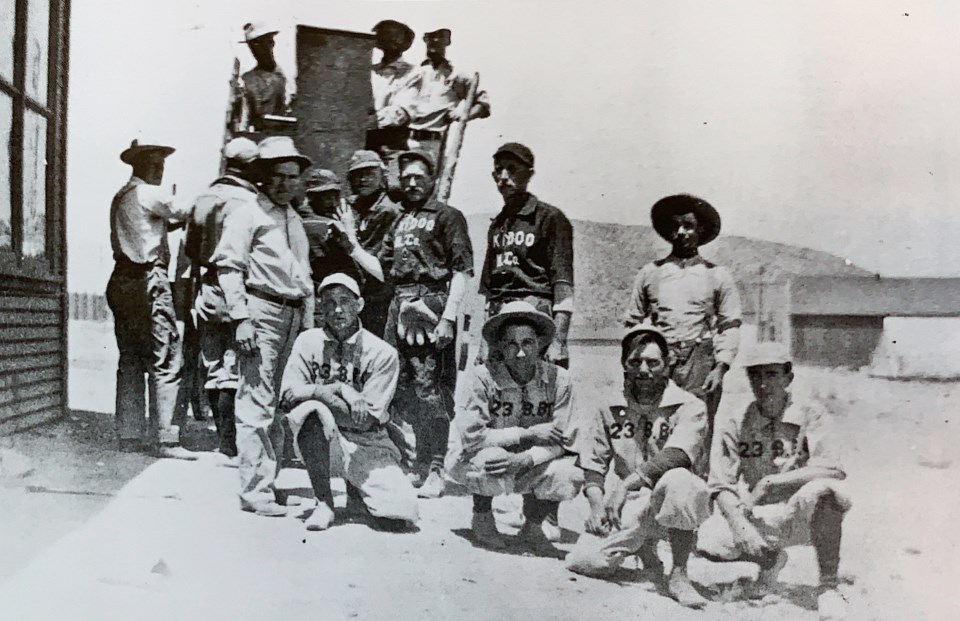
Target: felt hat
column 519, row 310
column 255, row 30
column 392, row 24
column 276, row 149
column 678, row 204
column 137, row 150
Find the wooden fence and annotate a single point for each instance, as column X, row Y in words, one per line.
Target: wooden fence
column 89, row 307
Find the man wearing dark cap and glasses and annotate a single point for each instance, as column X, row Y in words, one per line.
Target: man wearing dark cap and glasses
column 529, row 249
column 694, row 301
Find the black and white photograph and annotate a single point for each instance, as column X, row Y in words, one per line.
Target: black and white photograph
column 479, row 309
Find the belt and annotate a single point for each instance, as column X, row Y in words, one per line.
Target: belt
column 279, row 300
column 126, row 266
column 426, row 134
column 417, row 288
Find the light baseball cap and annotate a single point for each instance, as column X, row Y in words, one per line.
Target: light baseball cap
column 342, row 279
column 766, row 353
column 241, row 149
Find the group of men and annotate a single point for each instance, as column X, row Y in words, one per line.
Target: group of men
column 336, row 317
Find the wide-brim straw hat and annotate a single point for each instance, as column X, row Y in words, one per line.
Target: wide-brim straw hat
column 522, row 311
column 678, row 204
column 276, row 149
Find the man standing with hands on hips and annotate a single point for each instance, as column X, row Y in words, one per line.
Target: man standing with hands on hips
column 262, row 264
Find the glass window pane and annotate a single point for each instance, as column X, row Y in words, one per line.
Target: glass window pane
column 6, row 119
column 7, row 10
column 34, row 184
column 38, row 48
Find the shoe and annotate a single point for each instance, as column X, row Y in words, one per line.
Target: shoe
column 267, row 509
column 551, row 530
column 767, row 580
column 532, row 537
column 652, row 565
column 434, row 485
column 129, row 445
column 681, row 589
column 485, row 531
column 831, row 605
column 175, row 451
column 321, row 518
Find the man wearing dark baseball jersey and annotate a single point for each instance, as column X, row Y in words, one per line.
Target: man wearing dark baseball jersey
column 428, row 258
column 529, row 249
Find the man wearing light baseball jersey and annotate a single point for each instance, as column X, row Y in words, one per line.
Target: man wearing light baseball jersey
column 776, row 480
column 512, row 434
column 338, row 384
column 638, row 463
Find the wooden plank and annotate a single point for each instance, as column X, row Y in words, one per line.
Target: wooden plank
column 51, row 401
column 29, row 348
column 29, row 421
column 23, row 392
column 29, row 303
column 26, row 362
column 29, row 376
column 29, row 318
column 20, row 333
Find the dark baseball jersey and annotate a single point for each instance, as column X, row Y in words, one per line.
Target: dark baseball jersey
column 427, row 244
column 528, row 252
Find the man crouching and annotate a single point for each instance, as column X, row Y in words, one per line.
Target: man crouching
column 337, row 387
column 638, row 463
column 510, row 432
column 777, row 480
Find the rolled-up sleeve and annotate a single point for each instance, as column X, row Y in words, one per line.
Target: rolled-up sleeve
column 161, row 203
column 729, row 317
column 232, row 259
column 638, row 307
column 379, row 388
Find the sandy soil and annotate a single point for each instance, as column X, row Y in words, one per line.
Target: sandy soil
column 97, row 555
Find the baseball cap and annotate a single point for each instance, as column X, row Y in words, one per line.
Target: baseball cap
column 643, row 328
column 517, row 150
column 339, row 278
column 422, row 156
column 364, row 159
column 439, row 32
column 320, row 180
column 255, row 30
column 766, row 353
column 241, row 149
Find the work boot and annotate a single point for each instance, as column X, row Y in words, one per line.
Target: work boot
column 434, row 485
column 485, row 531
column 767, row 580
column 267, row 509
column 321, row 518
column 831, row 606
column 652, row 565
column 681, row 589
column 532, row 537
column 175, row 451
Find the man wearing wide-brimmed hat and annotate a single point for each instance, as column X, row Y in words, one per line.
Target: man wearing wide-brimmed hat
column 389, row 77
column 204, row 231
column 639, row 457
column 513, row 434
column 263, row 266
column 694, row 301
column 140, row 298
column 264, row 86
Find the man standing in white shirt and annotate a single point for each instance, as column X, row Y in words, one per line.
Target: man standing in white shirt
column 141, row 301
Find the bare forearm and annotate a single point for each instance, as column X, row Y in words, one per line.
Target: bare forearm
column 367, row 262
column 458, row 288
column 795, row 479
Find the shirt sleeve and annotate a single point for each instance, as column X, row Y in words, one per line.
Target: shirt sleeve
column 161, row 203
column 594, row 451
column 638, row 307
column 729, row 316
column 232, row 258
column 487, row 266
column 379, row 388
column 815, row 437
column 456, row 242
column 560, row 233
column 473, row 418
column 690, row 431
column 298, row 371
column 724, row 456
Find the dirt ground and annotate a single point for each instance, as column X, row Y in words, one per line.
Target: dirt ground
column 145, row 539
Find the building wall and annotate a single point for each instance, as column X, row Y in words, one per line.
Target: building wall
column 835, row 340
column 33, row 327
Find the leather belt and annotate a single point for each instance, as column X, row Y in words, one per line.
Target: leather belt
column 276, row 299
column 426, row 134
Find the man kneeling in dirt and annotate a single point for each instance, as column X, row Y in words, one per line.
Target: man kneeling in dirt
column 337, row 387
column 511, row 432
column 639, row 461
column 791, row 493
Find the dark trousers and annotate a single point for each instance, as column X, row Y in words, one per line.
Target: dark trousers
column 149, row 345
column 428, row 379
column 693, row 363
column 374, row 314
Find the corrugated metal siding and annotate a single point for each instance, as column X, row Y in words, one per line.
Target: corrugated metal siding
column 32, row 358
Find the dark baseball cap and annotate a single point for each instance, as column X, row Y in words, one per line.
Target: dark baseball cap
column 517, row 150
column 422, row 156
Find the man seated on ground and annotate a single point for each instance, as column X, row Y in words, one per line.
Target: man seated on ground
column 511, row 432
column 791, row 491
column 639, row 459
column 337, row 388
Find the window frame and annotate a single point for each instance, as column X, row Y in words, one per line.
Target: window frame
column 50, row 264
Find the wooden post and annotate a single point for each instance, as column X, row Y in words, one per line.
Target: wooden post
column 234, row 111
column 453, row 142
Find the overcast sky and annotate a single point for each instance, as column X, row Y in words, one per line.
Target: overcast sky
column 831, row 125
